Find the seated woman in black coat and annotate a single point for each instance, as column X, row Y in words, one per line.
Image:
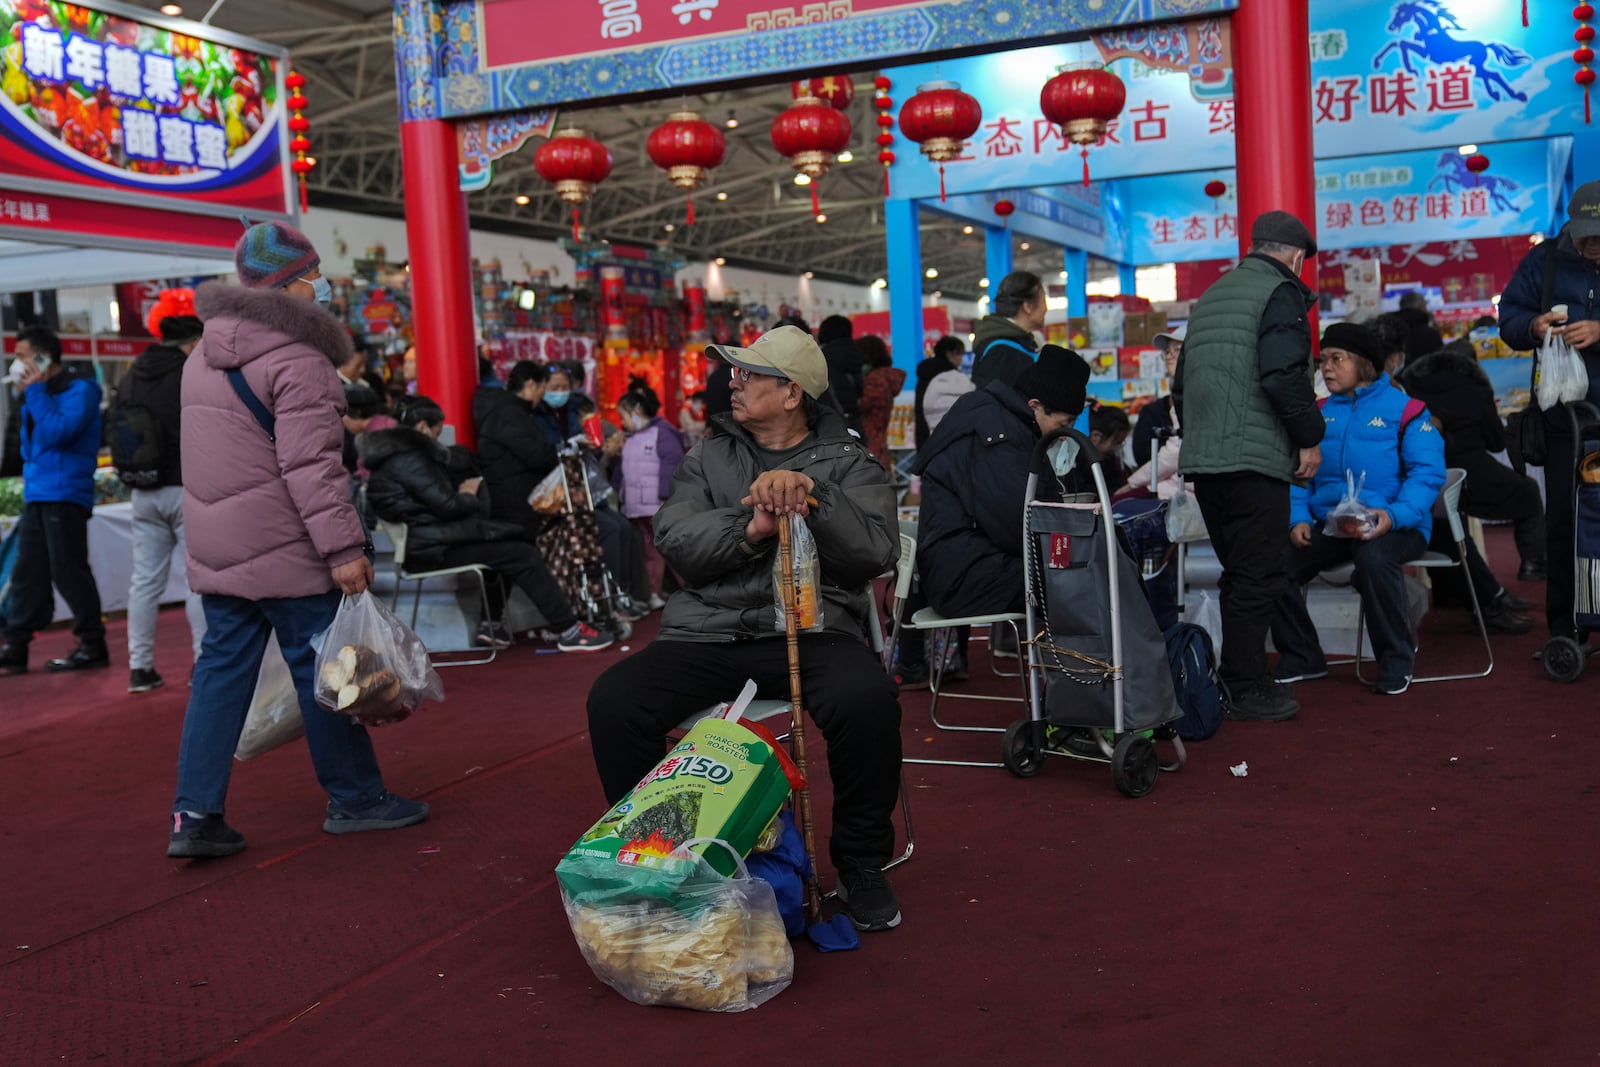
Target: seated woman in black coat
column 448, row 524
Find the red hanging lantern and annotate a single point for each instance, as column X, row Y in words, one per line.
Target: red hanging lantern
column 1584, row 54
column 835, row 90
column 687, row 147
column 1082, row 99
column 1004, row 208
column 884, row 104
column 575, row 163
column 1477, row 164
column 1215, row 188
column 810, row 134
column 940, row 117
column 299, row 125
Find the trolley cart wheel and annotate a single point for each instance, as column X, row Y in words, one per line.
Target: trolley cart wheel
column 1020, row 750
column 1563, row 659
column 1134, row 765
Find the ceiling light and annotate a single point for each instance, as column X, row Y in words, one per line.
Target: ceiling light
column 966, row 229
column 1062, row 275
column 822, row 217
column 846, row 156
column 1025, row 246
column 721, row 262
column 524, row 199
column 810, row 275
column 983, row 283
column 1467, row 149
column 732, row 123
column 172, row 9
column 931, row 272
column 879, row 283
column 802, row 179
column 722, row 196
column 669, row 227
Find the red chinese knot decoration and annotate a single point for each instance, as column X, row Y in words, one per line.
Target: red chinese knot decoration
column 1082, row 99
column 574, row 162
column 884, row 104
column 835, row 90
column 940, row 117
column 299, row 125
column 1584, row 54
column 810, row 134
column 687, row 147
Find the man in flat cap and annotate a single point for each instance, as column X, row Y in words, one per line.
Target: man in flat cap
column 1243, row 393
column 778, row 453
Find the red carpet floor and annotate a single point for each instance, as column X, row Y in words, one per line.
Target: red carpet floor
column 1397, row 880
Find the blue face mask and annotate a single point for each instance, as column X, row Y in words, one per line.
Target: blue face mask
column 1063, row 455
column 556, row 400
column 321, row 291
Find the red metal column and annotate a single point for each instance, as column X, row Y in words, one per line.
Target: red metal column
column 441, row 271
column 1272, row 114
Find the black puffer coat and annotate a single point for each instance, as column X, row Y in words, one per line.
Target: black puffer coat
column 412, row 483
column 1461, row 400
column 514, row 453
column 155, row 381
column 974, row 475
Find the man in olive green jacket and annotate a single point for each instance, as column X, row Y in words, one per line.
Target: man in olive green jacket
column 777, row 453
column 1250, row 424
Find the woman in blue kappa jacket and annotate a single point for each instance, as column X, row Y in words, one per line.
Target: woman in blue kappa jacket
column 1375, row 429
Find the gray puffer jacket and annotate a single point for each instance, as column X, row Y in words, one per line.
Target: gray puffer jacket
column 700, row 532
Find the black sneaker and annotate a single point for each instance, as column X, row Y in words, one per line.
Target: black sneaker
column 911, row 677
column 493, row 635
column 1262, row 703
column 13, row 658
column 1393, row 689
column 1532, row 571
column 1287, row 676
column 142, row 681
column 388, row 812
column 85, row 657
column 866, row 896
column 202, row 837
column 586, row 639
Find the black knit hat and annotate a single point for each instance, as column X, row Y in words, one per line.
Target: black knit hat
column 1358, row 340
column 1059, row 380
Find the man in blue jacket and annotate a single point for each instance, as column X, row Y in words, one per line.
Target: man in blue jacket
column 1560, row 273
column 60, row 444
column 1388, row 443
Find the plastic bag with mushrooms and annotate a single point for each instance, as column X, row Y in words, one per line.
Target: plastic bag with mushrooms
column 371, row 666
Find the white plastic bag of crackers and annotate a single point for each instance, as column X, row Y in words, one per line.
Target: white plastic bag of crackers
column 371, row 667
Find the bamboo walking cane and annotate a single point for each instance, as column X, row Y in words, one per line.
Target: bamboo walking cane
column 797, row 724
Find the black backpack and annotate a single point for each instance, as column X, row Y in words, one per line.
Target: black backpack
column 1195, row 681
column 138, row 444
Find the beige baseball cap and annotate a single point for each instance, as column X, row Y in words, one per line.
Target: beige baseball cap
column 785, row 352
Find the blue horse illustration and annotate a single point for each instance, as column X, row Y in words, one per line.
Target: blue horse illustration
column 1431, row 42
column 1454, row 175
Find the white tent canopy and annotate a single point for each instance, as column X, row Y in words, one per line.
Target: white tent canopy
column 27, row 265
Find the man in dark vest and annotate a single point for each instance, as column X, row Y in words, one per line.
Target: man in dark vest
column 1243, row 394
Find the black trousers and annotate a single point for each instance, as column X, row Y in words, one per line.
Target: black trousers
column 1449, row 589
column 1560, row 482
column 520, row 563
column 1247, row 516
column 634, row 703
column 53, row 549
column 1495, row 491
column 1380, row 580
column 623, row 546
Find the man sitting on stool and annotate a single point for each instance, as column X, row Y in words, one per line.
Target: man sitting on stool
column 719, row 531
column 1399, row 463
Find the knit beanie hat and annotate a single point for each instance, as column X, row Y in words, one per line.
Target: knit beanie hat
column 1058, row 379
column 270, row 255
column 1358, row 340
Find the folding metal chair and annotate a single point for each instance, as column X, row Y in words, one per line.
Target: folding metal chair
column 398, row 535
column 930, row 621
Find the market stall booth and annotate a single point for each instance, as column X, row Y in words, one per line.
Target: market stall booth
column 131, row 145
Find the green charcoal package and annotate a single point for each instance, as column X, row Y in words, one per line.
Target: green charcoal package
column 720, row 781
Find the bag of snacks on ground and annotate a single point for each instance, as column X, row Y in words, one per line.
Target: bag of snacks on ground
column 371, row 667
column 722, row 781
column 807, row 577
column 549, row 497
column 717, row 944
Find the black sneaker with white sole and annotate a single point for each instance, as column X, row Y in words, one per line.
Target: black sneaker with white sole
column 1393, row 689
column 585, row 638
column 1290, row 675
column 867, row 898
column 142, row 681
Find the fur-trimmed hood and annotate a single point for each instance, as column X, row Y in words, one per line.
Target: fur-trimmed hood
column 244, row 324
column 1445, row 362
column 377, row 447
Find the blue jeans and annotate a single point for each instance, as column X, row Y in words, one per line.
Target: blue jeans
column 224, row 685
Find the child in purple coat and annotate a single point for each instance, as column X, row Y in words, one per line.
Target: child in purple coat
column 650, row 457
